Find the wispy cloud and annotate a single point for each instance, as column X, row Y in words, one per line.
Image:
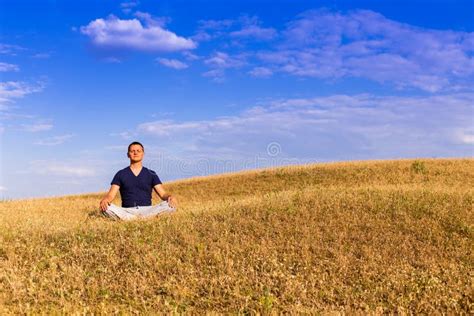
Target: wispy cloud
column 117, row 147
column 467, row 138
column 190, row 56
column 57, row 168
column 9, row 49
column 172, row 63
column 359, row 44
column 78, row 173
column 365, row 44
column 128, row 6
column 220, row 61
column 340, row 126
column 217, row 75
column 244, row 27
column 152, row 20
column 55, row 140
column 125, row 135
column 114, row 33
column 211, row 29
column 255, row 32
column 215, row 24
column 224, row 60
column 6, row 67
column 251, row 29
column 38, row 127
column 261, row 72
column 41, row 55
column 2, row 188
column 465, row 135
column 12, row 90
column 112, row 60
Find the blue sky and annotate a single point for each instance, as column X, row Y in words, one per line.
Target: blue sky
column 220, row 86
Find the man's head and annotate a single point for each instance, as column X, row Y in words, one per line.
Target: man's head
column 135, row 152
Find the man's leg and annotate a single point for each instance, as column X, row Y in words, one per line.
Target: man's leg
column 149, row 211
column 119, row 213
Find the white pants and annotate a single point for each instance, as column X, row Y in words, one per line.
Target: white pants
column 128, row 213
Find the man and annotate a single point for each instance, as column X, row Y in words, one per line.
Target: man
column 135, row 184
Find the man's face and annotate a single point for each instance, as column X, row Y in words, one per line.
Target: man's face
column 135, row 153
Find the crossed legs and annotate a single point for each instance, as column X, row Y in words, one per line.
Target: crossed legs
column 129, row 213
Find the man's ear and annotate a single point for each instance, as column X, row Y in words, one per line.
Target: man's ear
column 128, row 155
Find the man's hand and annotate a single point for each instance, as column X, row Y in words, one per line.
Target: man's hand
column 172, row 201
column 109, row 197
column 165, row 196
column 104, row 204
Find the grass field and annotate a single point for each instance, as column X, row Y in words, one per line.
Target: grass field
column 374, row 236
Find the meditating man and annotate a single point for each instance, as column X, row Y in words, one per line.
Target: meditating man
column 135, row 184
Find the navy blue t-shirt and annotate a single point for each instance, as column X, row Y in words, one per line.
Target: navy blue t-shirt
column 136, row 190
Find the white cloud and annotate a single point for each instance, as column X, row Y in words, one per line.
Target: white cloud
column 11, row 90
column 2, row 188
column 201, row 36
column 466, row 135
column 8, row 49
column 217, row 75
column 255, row 32
column 128, row 6
column 327, row 128
column 166, row 127
column 221, row 61
column 190, row 56
column 215, row 24
column 468, row 139
column 224, row 60
column 112, row 60
column 152, row 20
column 82, row 172
column 172, row 63
column 261, row 72
column 244, row 27
column 39, row 127
column 367, row 45
column 55, row 140
column 122, row 148
column 211, row 29
column 125, row 135
column 41, row 55
column 114, row 33
column 56, row 168
column 6, row 67
column 359, row 44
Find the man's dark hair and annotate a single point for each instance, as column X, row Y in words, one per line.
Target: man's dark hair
column 135, row 143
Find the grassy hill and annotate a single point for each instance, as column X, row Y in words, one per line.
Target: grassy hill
column 373, row 236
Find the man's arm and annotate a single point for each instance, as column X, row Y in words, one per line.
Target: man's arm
column 109, row 197
column 165, row 196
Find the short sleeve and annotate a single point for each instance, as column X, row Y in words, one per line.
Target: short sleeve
column 155, row 179
column 117, row 179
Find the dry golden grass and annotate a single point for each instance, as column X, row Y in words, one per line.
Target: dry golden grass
column 375, row 236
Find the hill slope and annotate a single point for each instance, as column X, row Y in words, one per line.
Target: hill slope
column 362, row 236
